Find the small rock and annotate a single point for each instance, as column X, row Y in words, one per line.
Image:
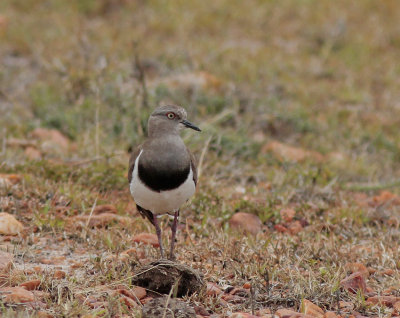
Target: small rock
column 201, row 311
column 383, row 300
column 358, row 267
column 346, row 305
column 98, row 304
column 146, row 300
column 136, row 294
column 311, row 309
column 385, row 197
column 31, row 285
column 140, row 254
column 139, row 292
column 388, row 272
column 160, row 276
column 6, row 261
column 130, row 303
column 11, row 178
column 105, row 208
column 52, row 140
column 16, row 295
column 354, row 282
column 288, row 313
column 246, row 222
column 281, row 228
column 59, row 274
column 9, row 225
column 43, row 314
column 246, row 285
column 32, row 153
column 287, row 214
column 146, row 238
column 295, row 227
column 167, row 308
column 213, row 289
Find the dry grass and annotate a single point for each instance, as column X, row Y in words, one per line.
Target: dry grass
column 316, row 75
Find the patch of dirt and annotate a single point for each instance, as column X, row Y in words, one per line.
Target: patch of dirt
column 161, row 276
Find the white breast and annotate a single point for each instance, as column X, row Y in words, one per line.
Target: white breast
column 160, row 202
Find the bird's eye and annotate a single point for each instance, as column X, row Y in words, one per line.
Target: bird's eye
column 171, row 115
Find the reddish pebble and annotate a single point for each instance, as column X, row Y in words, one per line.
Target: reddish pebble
column 280, row 228
column 146, row 238
column 58, row 274
column 213, row 289
column 31, row 285
column 358, row 267
column 105, row 208
column 287, row 214
column 130, row 303
column 383, row 300
column 246, row 222
column 139, row 292
column 145, row 300
column 354, row 282
column 16, row 295
column 312, row 309
column 246, row 285
column 295, row 227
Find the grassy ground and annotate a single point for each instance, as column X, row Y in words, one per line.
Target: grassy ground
column 257, row 77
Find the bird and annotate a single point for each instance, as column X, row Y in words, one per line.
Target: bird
column 162, row 171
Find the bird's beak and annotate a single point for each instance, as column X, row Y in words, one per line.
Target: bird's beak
column 188, row 124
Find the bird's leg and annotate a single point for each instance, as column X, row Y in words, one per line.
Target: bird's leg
column 158, row 232
column 173, row 229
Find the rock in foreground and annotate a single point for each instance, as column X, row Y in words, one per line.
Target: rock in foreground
column 160, row 276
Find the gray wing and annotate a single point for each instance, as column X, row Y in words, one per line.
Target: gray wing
column 194, row 167
column 132, row 162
